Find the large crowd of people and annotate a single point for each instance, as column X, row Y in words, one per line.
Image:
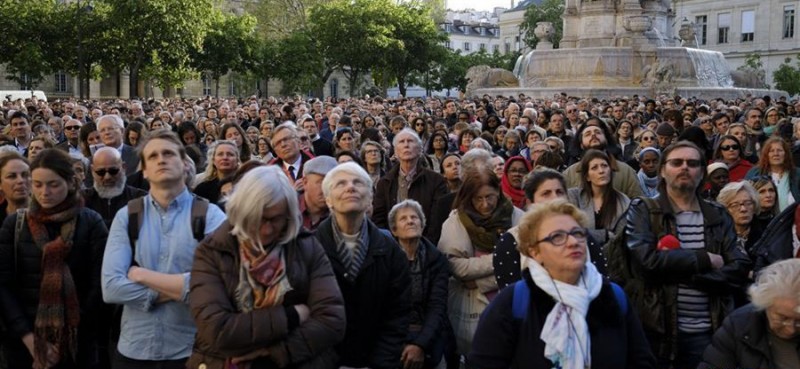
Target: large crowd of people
column 414, row 233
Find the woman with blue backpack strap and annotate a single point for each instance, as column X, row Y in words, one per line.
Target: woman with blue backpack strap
column 563, row 313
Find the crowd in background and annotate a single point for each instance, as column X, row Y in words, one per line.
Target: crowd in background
column 387, row 233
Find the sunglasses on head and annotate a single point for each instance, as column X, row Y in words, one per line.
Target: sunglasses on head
column 102, row 172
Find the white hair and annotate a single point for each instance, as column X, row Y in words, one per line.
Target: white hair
column 480, row 143
column 407, row 131
column 349, row 168
column 727, row 193
column 405, row 204
column 262, row 187
column 116, row 118
column 781, row 279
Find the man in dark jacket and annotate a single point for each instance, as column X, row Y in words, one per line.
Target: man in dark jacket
column 778, row 239
column 409, row 180
column 110, row 192
column 372, row 272
column 686, row 267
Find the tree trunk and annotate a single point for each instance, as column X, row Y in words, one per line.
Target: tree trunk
column 401, row 85
column 216, row 92
column 133, row 83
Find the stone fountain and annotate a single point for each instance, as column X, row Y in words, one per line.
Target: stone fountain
column 622, row 47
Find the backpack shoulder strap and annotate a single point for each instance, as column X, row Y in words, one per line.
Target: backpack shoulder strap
column 521, row 300
column 135, row 219
column 622, row 300
column 199, row 210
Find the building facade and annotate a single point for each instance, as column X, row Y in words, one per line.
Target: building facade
column 738, row 28
column 512, row 38
column 472, row 31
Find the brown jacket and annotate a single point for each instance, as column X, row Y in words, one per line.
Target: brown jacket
column 224, row 332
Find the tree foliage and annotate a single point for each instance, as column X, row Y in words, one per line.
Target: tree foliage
column 452, row 71
column 277, row 19
column 547, row 11
column 787, row 76
column 30, row 31
column 230, row 44
column 156, row 38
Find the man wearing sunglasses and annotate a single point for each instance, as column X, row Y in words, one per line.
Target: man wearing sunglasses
column 110, row 191
column 683, row 260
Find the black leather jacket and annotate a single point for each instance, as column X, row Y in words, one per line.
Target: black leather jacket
column 654, row 288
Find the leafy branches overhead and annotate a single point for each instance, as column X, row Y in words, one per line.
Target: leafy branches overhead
column 547, row 11
column 230, row 44
column 787, row 76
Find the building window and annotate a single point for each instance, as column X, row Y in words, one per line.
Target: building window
column 466, row 30
column 495, row 48
column 483, row 31
column 206, row 85
column 508, row 47
column 467, row 46
column 723, row 27
column 482, row 46
column 26, row 82
column 447, row 44
column 448, row 28
column 748, row 25
column 701, row 22
column 61, row 82
column 788, row 21
column 334, row 88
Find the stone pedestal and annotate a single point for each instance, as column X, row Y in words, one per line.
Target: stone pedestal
column 544, row 31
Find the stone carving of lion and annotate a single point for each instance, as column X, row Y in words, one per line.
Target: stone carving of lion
column 483, row 76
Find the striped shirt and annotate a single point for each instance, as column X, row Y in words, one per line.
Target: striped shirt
column 694, row 315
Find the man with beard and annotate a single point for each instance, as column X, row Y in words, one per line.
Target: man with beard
column 684, row 256
column 594, row 135
column 110, row 192
column 755, row 132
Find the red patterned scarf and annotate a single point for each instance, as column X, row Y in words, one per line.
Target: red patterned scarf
column 58, row 313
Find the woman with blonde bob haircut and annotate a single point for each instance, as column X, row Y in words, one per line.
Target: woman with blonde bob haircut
column 263, row 293
column 766, row 332
column 573, row 318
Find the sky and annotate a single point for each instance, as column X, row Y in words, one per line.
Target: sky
column 478, row 4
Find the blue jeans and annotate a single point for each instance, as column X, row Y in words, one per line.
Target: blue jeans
column 690, row 349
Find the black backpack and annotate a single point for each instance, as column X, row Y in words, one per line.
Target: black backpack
column 616, row 249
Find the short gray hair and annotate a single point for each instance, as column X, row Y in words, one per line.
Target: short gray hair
column 349, row 168
column 781, row 279
column 285, row 125
column 407, row 131
column 476, row 160
column 262, row 187
column 727, row 193
column 405, row 204
column 115, row 118
column 480, row 143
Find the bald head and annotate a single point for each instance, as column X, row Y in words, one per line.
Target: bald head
column 107, row 154
column 108, row 171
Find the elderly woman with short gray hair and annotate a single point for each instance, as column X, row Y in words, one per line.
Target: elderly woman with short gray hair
column 765, row 333
column 428, row 326
column 741, row 201
column 263, row 293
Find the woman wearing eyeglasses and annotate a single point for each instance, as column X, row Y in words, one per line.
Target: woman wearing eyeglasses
column 729, row 152
column 776, row 161
column 563, row 313
column 514, row 172
column 765, row 333
column 741, row 201
column 604, row 205
column 480, row 215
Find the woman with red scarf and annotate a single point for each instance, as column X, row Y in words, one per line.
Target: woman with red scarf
column 50, row 258
column 514, row 173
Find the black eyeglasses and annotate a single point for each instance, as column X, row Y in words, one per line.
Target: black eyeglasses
column 729, row 147
column 691, row 163
column 72, row 128
column 102, row 172
column 559, row 238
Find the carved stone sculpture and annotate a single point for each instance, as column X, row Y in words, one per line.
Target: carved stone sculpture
column 483, row 76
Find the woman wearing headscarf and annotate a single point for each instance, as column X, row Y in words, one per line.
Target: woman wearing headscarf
column 648, row 159
column 514, row 172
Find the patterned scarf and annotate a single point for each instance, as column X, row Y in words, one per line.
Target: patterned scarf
column 58, row 313
column 516, row 195
column 351, row 259
column 483, row 232
column 262, row 277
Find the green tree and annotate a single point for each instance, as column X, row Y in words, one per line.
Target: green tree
column 278, row 19
column 547, row 11
column 355, row 35
column 30, row 30
column 156, row 37
column 85, row 41
column 230, row 44
column 420, row 45
column 752, row 61
column 787, row 76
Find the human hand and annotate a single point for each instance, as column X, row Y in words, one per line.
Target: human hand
column 413, row 357
column 298, row 185
column 135, row 274
column 716, row 260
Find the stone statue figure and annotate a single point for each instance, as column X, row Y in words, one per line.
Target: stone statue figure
column 484, row 76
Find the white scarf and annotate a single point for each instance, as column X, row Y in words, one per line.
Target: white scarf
column 566, row 347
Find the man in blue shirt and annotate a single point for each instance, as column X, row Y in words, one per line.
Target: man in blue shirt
column 157, row 327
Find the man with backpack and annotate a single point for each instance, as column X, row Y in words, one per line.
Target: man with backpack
column 683, row 264
column 148, row 258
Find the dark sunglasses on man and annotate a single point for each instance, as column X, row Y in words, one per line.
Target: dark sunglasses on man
column 112, row 171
